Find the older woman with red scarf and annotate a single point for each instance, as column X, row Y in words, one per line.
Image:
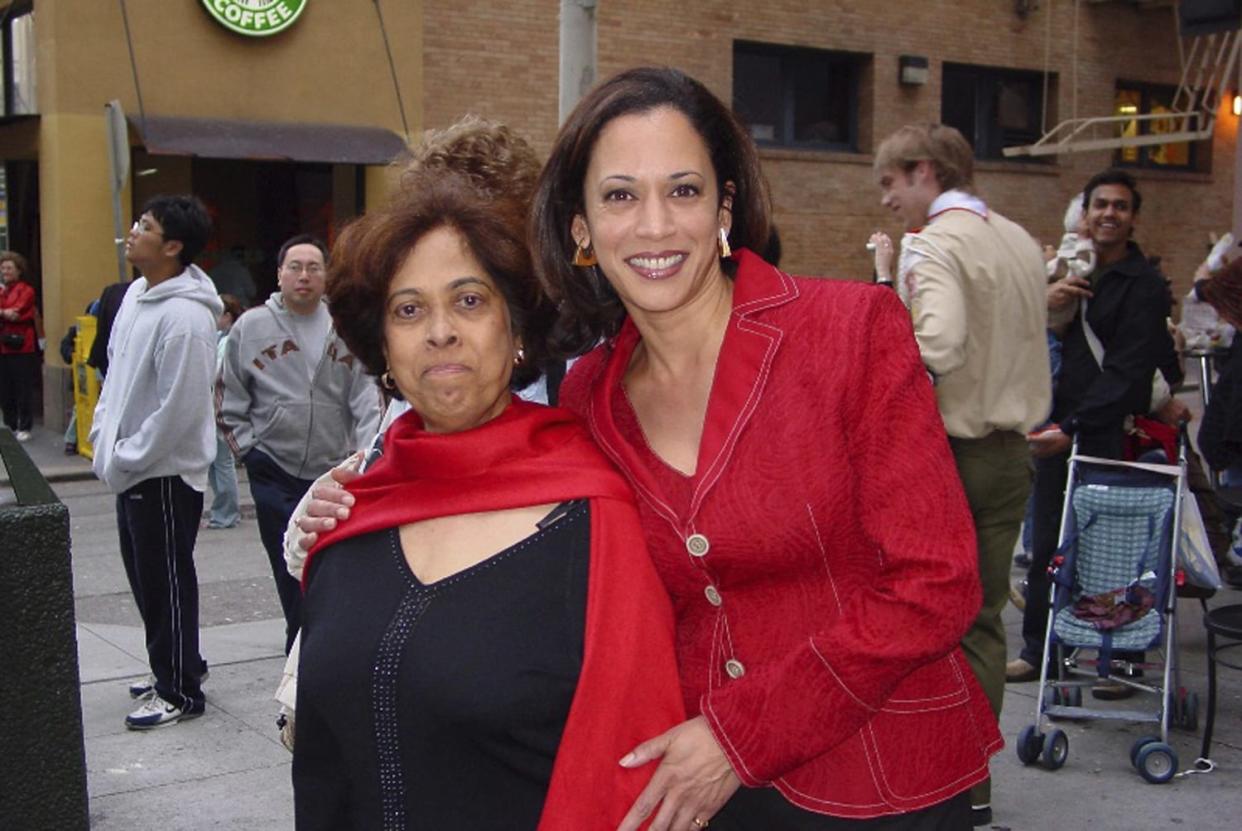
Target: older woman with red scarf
column 486, row 636
column 19, row 356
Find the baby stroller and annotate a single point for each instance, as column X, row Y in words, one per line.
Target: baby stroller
column 1114, row 590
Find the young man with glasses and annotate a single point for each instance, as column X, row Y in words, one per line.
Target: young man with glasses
column 291, row 401
column 154, row 440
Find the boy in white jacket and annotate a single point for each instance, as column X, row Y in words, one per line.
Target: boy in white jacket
column 154, row 439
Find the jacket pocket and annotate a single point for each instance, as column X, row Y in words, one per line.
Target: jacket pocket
column 937, row 686
column 283, row 433
column 927, row 740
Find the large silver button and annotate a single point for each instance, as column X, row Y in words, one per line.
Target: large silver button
column 713, row 596
column 735, row 669
column 697, row 545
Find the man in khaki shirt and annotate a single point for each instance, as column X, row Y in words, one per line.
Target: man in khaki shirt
column 974, row 282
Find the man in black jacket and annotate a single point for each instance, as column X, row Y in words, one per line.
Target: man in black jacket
column 1126, row 302
column 109, row 305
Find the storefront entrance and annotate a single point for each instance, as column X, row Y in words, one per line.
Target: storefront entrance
column 255, row 206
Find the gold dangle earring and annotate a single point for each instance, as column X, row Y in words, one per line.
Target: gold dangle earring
column 387, row 382
column 519, row 356
column 725, row 251
column 584, row 257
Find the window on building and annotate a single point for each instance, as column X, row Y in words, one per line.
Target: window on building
column 17, row 43
column 795, row 97
column 994, row 108
column 1139, row 99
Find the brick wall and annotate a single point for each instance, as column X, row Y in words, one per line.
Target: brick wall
column 494, row 59
column 500, row 59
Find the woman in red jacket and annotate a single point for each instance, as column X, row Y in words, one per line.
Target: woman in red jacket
column 795, row 485
column 19, row 357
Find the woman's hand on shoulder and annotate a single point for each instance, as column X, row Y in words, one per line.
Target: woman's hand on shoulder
column 694, row 779
column 329, row 502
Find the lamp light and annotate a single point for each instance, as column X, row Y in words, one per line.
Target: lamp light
column 912, row 70
column 1237, row 103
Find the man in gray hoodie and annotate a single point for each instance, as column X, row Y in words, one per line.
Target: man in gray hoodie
column 291, row 402
column 154, row 440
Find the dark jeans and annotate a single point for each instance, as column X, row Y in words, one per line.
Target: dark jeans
column 764, row 809
column 276, row 494
column 19, row 378
column 158, row 524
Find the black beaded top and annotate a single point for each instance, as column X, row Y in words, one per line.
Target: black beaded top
column 438, row 705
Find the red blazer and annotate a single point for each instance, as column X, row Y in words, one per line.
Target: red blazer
column 838, row 543
column 19, row 295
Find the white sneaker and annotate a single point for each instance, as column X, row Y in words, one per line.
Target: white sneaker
column 22, row 435
column 143, row 687
column 156, row 712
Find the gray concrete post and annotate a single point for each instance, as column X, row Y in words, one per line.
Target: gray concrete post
column 42, row 756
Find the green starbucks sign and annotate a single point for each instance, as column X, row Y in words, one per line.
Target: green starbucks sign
column 255, row 18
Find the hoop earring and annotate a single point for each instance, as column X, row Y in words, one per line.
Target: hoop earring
column 584, row 257
column 387, row 382
column 519, row 357
column 725, row 251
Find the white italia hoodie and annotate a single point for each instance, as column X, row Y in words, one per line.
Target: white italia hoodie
column 155, row 416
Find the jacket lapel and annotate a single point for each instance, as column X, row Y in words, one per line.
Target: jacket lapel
column 600, row 408
column 742, row 371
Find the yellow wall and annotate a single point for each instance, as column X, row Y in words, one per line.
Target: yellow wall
column 329, row 67
column 75, row 196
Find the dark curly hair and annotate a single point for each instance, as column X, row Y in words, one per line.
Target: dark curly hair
column 482, row 196
column 589, row 308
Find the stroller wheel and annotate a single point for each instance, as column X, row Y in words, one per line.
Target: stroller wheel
column 1030, row 742
column 1056, row 749
column 1157, row 763
column 1138, row 745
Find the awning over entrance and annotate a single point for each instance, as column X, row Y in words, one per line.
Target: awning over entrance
column 266, row 140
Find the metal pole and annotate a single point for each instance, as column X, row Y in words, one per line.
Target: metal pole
column 1237, row 155
column 118, row 162
column 577, row 52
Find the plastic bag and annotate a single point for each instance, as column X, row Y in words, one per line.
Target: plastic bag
column 1194, row 552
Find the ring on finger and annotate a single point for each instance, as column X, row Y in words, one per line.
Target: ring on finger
column 700, row 823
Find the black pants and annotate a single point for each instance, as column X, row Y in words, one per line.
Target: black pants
column 764, row 809
column 276, row 494
column 158, row 524
column 19, row 378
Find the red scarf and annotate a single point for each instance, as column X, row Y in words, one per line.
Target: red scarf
column 628, row 690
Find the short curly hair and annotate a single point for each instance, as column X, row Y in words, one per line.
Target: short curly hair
column 476, row 178
column 496, row 160
column 16, row 259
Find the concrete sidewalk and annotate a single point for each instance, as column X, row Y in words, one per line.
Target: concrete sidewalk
column 228, row 770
